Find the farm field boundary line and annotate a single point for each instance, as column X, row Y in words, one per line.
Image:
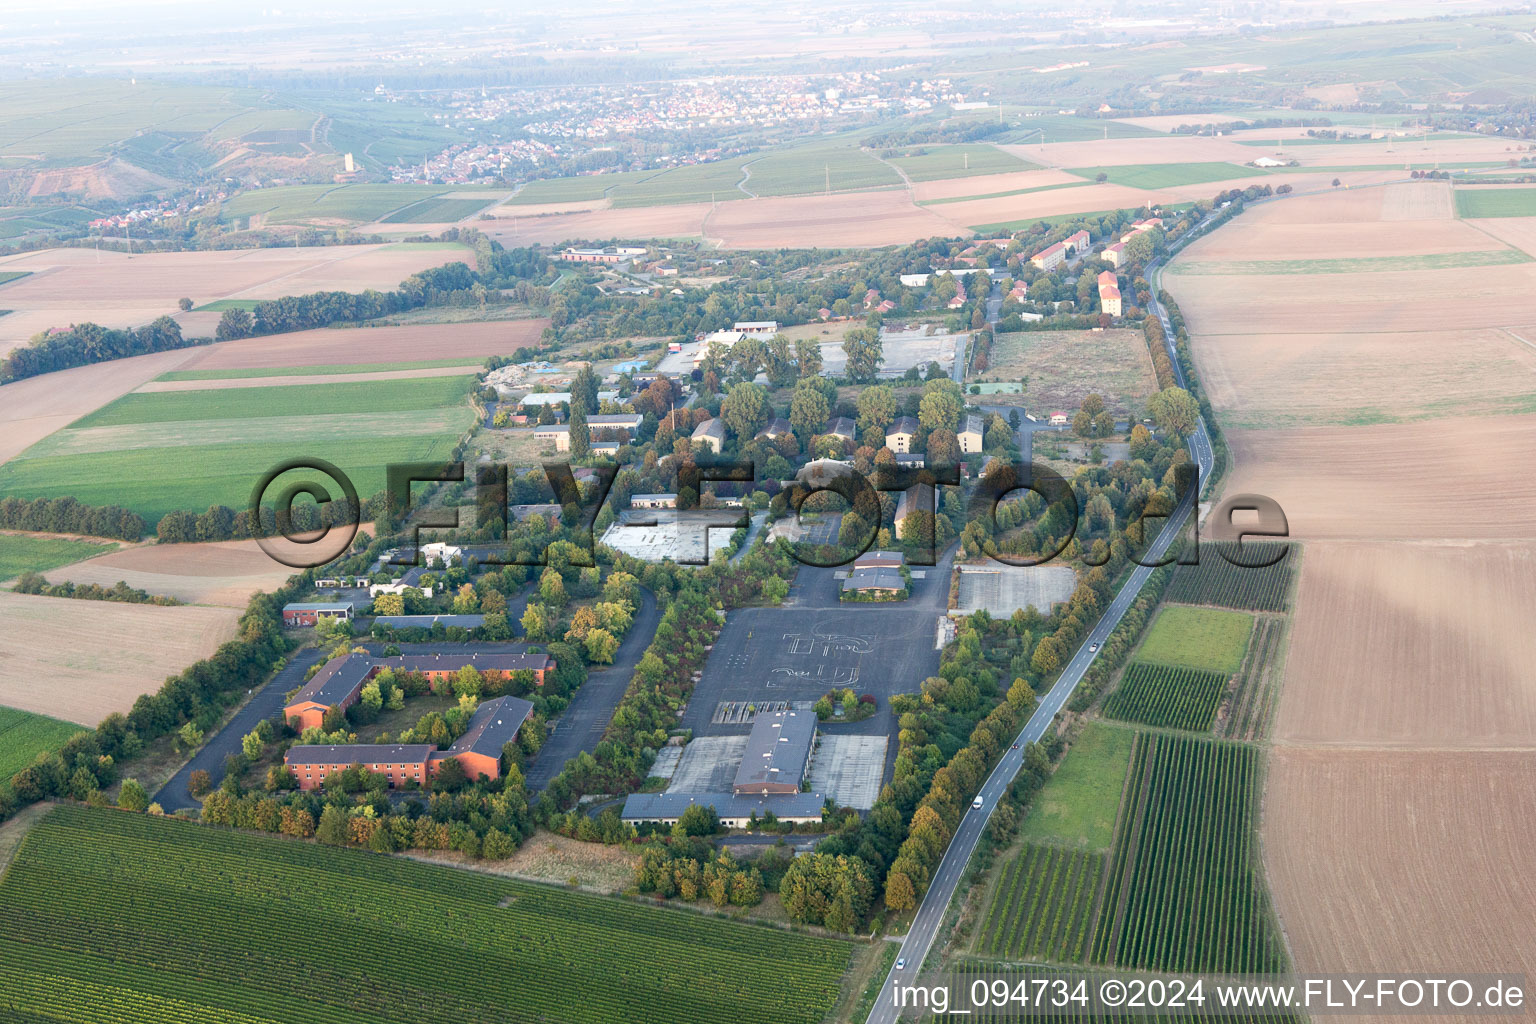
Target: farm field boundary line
column 1353, row 265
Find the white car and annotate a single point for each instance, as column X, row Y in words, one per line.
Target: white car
column 901, row 963
column 1092, row 648
column 976, row 804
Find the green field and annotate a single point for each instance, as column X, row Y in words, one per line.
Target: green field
column 1067, row 128
column 1217, row 581
column 158, row 452
column 1356, row 264
column 1496, row 202
column 311, row 371
column 1042, row 908
column 1004, row 195
column 1077, row 806
column 20, row 553
column 437, row 211
column 1173, row 698
column 932, row 163
column 1185, row 889
column 24, row 735
column 298, row 204
column 837, row 163
column 1202, row 638
column 224, row 305
column 110, row 917
column 579, row 189
column 7, row 276
column 1167, row 175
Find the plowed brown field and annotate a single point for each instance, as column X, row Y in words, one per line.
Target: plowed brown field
column 225, row 573
column 340, row 346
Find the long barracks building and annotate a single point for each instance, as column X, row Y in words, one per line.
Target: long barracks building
column 495, row 724
column 338, row 684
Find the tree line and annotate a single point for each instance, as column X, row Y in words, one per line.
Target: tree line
column 36, row 583
column 66, row 515
column 83, row 344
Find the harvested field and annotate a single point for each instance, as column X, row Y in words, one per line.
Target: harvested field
column 1152, row 149
column 223, row 573
column 848, row 219
column 547, row 857
column 32, row 409
column 288, row 380
column 512, row 228
column 1275, row 239
column 1064, row 367
column 989, row 184
column 1248, row 709
column 117, row 290
column 1412, row 644
column 1519, row 232
column 83, row 660
column 1034, row 205
column 1463, row 479
column 335, row 346
column 1266, row 381
column 1446, row 880
column 26, row 552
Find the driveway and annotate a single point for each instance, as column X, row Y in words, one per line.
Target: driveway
column 591, row 709
column 267, row 703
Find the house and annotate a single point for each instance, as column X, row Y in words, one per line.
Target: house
column 653, row 501
column 733, row 811
column 558, row 434
column 1051, row 257
column 871, row 298
column 441, row 552
column 818, row 473
column 880, row 560
column 604, row 447
column 400, row 587
column 917, row 498
column 606, row 423
column 720, row 343
column 900, row 435
column 710, row 434
column 778, row 752
column 1059, row 418
column 911, row 460
column 886, row 305
column 1078, row 241
column 495, row 724
column 612, row 254
column 959, row 299
column 1114, row 254
column 885, row 583
column 840, row 427
column 777, row 427
column 971, row 433
column 1109, row 293
column 302, row 614
column 824, row 313
column 764, row 327
column 340, row 680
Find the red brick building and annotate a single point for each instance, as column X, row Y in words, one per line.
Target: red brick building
column 495, row 724
column 338, row 684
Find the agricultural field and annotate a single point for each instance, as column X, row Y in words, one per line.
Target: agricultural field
column 1064, row 367
column 1199, row 638
column 1154, row 176
column 1185, row 890
column 584, row 188
column 1066, row 128
column 368, row 347
column 1043, row 906
column 223, row 573
column 1247, row 713
column 333, row 370
column 545, row 953
column 21, row 553
column 932, row 163
column 1217, row 581
column 1424, row 644
column 83, row 660
column 156, row 453
column 1489, row 201
column 850, row 219
column 7, row 276
column 1354, row 264
column 438, row 210
column 1077, row 806
column 24, row 735
column 327, row 204
column 1173, row 698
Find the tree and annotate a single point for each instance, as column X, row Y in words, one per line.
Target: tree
column 601, row 647
column 941, row 405
column 1139, row 247
column 468, row 682
column 584, row 390
column 877, row 410
column 808, row 411
column 1047, row 656
column 581, row 437
column 184, row 304
column 332, row 830
column 450, row 777
column 552, row 589
column 899, row 894
column 865, row 354
column 199, row 783
column 498, row 845
column 1142, row 444
column 234, row 324
column 808, row 357
column 389, row 604
column 697, row 820
column 1101, row 177
column 943, row 448
column 1174, row 410
column 251, row 744
column 1335, row 182
column 745, row 410
column 132, row 796
column 534, row 624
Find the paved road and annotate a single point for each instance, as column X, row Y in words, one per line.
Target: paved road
column 930, row 915
column 267, row 703
column 755, row 528
column 581, row 726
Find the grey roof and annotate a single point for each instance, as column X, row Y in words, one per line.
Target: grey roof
column 485, row 662
column 337, row 680
column 904, row 425
column 917, row 498
column 494, row 724
column 910, row 459
column 711, row 428
column 551, row 428
column 359, row 753
column 320, row 606
column 656, row 806
column 778, row 426
column 840, row 425
column 777, row 750
column 615, row 420
column 879, row 560
column 425, row 621
column 874, row 579
column 973, row 425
